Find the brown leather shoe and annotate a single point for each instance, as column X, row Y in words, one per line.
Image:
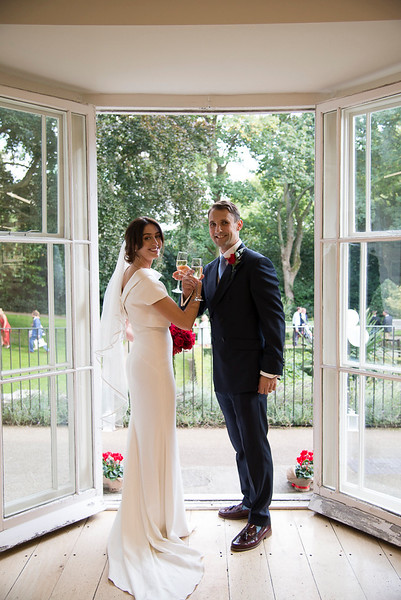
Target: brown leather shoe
column 234, row 512
column 250, row 538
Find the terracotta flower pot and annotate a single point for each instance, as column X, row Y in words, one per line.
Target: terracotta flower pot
column 112, row 485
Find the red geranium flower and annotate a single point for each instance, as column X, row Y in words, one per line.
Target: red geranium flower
column 112, row 467
column 304, row 467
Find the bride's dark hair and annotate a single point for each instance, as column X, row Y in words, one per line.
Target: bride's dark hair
column 134, row 236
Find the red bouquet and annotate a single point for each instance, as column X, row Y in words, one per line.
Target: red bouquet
column 182, row 339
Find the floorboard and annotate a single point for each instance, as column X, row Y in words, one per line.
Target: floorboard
column 308, row 556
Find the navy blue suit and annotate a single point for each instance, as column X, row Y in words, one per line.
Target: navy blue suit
column 248, row 329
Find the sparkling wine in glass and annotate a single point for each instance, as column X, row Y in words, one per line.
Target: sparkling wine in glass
column 197, row 268
column 182, row 265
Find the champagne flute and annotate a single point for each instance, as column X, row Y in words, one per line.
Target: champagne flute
column 197, row 268
column 182, row 265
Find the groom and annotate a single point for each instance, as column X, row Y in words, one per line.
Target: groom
column 240, row 290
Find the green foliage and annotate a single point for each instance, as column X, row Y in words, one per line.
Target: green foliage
column 147, row 165
column 26, row 271
column 394, row 302
column 225, row 141
column 281, row 212
column 22, row 149
column 33, row 409
column 290, row 405
column 169, row 167
column 387, row 296
column 385, row 167
column 20, row 170
column 194, row 412
column 173, row 167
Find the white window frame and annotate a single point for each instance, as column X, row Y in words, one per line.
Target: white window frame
column 83, row 502
column 330, row 496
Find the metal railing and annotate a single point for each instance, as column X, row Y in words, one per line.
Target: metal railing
column 290, row 405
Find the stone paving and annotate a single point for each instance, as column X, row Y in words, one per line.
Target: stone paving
column 208, row 459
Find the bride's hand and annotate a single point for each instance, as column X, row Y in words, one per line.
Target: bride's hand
column 191, row 284
column 179, row 275
column 188, row 284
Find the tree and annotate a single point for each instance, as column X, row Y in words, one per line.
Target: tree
column 173, row 167
column 225, row 140
column 284, row 147
column 22, row 150
column 148, row 165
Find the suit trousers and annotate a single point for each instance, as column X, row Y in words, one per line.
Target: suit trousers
column 246, row 421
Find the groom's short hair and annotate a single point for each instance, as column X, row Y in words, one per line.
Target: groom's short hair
column 226, row 205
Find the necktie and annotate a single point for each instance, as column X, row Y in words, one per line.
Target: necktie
column 222, row 266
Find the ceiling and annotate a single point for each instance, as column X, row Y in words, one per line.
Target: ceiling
column 320, row 58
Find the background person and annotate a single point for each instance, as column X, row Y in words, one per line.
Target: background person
column 305, row 330
column 5, row 329
column 387, row 323
column 204, row 332
column 36, row 333
column 296, row 324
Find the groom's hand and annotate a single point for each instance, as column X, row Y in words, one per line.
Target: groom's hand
column 267, row 384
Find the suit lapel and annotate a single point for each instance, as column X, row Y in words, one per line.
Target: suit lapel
column 226, row 280
column 222, row 286
column 212, row 278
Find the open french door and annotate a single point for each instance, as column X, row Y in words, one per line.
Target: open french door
column 50, row 471
column 357, row 420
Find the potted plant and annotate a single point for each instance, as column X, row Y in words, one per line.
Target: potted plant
column 302, row 476
column 112, row 471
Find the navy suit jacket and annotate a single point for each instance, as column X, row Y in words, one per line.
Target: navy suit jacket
column 247, row 322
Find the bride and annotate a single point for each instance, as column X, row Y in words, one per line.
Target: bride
column 147, row 554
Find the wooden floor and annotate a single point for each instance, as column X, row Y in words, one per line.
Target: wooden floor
column 308, row 557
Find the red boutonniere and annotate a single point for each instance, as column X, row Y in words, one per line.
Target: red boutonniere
column 235, row 258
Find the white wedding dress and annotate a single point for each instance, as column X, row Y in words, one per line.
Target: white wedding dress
column 146, row 556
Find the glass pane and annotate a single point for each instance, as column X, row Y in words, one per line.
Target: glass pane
column 330, row 433
column 80, row 194
column 353, row 331
column 82, row 315
column 84, row 433
column 384, row 304
column 352, row 430
column 330, row 177
column 65, row 432
column 360, row 172
column 38, row 450
column 52, row 173
column 24, row 267
column 29, row 171
column 371, row 466
column 60, row 306
column 20, row 171
column 329, row 305
column 24, row 289
column 386, row 169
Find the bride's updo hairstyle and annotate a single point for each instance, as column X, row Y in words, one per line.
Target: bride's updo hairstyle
column 134, row 236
